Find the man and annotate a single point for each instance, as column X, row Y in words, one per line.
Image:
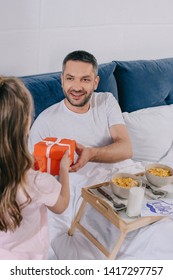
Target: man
column 93, row 119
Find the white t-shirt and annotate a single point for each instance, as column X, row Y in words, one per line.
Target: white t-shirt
column 90, row 128
column 31, row 239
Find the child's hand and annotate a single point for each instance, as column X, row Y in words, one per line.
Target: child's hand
column 65, row 162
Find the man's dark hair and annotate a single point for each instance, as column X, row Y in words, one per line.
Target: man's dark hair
column 81, row 56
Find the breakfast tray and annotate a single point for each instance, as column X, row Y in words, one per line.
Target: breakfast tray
column 120, row 220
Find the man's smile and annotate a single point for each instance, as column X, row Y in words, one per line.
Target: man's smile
column 77, row 94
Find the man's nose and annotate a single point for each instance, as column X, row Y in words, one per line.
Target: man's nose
column 77, row 85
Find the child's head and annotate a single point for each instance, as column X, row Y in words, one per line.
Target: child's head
column 16, row 108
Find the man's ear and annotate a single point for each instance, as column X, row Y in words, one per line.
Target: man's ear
column 96, row 82
column 61, row 78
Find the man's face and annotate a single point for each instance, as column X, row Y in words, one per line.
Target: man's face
column 79, row 81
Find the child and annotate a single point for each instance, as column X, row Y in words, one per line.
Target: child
column 25, row 194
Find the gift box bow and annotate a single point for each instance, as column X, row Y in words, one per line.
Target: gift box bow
column 50, row 144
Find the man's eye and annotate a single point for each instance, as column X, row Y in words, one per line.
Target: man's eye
column 69, row 78
column 86, row 80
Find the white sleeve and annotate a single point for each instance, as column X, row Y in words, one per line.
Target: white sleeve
column 114, row 113
column 38, row 131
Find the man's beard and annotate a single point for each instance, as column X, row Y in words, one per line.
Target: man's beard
column 83, row 102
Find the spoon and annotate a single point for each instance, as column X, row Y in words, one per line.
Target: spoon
column 118, row 206
column 155, row 192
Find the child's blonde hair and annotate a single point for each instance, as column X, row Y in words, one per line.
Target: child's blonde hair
column 16, row 108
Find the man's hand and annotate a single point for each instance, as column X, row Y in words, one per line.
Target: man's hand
column 120, row 149
column 84, row 155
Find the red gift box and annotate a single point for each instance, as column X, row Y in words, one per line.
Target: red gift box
column 49, row 151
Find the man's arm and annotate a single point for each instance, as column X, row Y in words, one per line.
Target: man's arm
column 119, row 150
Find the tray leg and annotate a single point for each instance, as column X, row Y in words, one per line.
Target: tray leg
column 117, row 245
column 77, row 218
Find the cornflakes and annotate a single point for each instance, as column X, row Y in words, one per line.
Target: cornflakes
column 158, row 171
column 126, row 182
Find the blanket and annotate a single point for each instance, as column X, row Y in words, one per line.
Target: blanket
column 150, row 242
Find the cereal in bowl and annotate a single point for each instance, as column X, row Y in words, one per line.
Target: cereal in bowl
column 125, row 182
column 158, row 171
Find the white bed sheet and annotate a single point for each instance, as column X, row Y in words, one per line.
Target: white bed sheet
column 151, row 242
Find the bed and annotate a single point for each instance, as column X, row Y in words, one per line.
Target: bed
column 144, row 90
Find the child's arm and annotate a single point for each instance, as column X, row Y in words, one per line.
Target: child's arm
column 64, row 197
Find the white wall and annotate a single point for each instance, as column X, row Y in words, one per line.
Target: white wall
column 35, row 35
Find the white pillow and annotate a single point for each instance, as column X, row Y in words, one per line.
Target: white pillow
column 151, row 132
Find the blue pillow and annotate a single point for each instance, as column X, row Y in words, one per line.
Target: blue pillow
column 144, row 83
column 46, row 90
column 107, row 79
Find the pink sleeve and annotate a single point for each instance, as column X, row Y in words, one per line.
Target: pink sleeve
column 47, row 189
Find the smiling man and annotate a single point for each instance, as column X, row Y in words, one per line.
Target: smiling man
column 93, row 119
column 79, row 80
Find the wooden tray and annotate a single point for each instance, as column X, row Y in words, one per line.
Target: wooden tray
column 122, row 222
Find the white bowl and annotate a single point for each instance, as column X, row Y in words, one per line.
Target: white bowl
column 121, row 191
column 158, row 181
